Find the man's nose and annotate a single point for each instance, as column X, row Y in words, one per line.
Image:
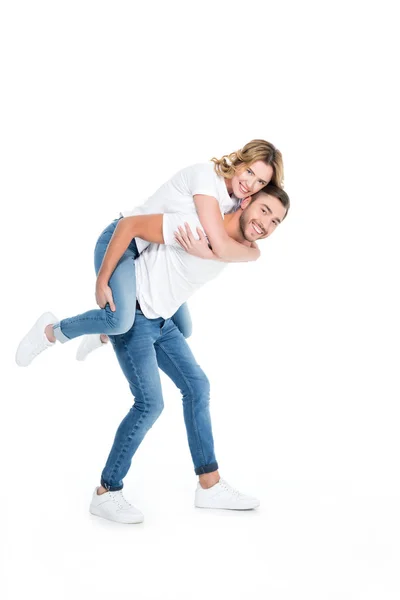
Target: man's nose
column 267, row 224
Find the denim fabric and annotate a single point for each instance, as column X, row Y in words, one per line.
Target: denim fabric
column 123, row 286
column 149, row 345
column 183, row 321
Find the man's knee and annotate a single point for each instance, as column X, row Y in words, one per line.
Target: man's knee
column 199, row 390
column 155, row 411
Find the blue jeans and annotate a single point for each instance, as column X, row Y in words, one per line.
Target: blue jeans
column 149, row 345
column 123, row 286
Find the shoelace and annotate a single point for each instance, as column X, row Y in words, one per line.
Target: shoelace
column 229, row 488
column 119, row 499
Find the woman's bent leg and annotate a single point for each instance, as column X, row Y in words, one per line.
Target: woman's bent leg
column 123, row 286
column 183, row 321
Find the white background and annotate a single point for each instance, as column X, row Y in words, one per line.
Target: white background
column 101, row 103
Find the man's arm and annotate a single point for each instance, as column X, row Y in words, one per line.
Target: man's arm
column 147, row 227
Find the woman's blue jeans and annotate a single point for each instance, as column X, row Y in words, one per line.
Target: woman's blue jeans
column 123, row 286
column 149, row 345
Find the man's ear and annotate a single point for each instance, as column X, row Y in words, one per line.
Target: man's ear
column 245, row 202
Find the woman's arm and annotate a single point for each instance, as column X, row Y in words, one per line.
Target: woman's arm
column 213, row 224
column 196, row 247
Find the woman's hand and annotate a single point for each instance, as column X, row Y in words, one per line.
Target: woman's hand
column 104, row 294
column 192, row 246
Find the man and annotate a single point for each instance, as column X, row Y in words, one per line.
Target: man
column 166, row 277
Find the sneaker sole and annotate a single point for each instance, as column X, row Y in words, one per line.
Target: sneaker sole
column 228, row 507
column 96, row 513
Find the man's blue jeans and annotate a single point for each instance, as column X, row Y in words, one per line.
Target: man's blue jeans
column 149, row 345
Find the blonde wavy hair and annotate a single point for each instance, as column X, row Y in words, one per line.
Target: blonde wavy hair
column 228, row 165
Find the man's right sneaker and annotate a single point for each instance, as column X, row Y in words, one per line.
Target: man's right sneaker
column 88, row 344
column 35, row 340
column 222, row 495
column 114, row 507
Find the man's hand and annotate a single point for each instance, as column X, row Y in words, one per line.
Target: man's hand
column 192, row 246
column 104, row 294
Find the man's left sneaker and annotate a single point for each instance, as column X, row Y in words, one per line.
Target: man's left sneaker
column 222, row 495
column 35, row 340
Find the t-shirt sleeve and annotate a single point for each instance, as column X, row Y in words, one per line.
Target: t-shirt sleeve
column 201, row 179
column 171, row 222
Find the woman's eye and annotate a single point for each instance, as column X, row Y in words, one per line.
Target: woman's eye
column 249, row 171
column 263, row 211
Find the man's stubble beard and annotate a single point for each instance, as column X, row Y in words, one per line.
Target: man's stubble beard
column 242, row 225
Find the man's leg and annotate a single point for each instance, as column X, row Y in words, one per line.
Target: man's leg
column 177, row 361
column 175, row 358
column 137, row 358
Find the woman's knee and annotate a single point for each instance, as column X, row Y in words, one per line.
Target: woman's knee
column 120, row 321
column 186, row 330
column 183, row 321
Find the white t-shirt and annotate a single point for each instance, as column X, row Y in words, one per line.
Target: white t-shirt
column 176, row 195
column 166, row 275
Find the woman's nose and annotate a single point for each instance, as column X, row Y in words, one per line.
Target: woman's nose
column 250, row 183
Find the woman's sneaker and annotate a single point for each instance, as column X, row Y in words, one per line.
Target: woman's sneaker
column 88, row 344
column 222, row 495
column 35, row 340
column 114, row 507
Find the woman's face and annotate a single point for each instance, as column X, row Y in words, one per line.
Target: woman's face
column 249, row 179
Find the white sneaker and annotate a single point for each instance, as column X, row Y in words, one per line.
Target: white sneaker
column 222, row 495
column 35, row 340
column 114, row 507
column 88, row 344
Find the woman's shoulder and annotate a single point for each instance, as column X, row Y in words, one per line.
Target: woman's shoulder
column 201, row 171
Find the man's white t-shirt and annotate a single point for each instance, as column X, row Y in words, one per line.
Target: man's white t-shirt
column 166, row 275
column 176, row 195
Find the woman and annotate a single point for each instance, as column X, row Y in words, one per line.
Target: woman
column 212, row 189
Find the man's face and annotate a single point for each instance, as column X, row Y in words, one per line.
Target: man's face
column 261, row 217
column 251, row 179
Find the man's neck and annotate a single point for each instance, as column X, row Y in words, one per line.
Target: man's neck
column 232, row 227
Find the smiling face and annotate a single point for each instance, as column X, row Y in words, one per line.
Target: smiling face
column 249, row 179
column 260, row 217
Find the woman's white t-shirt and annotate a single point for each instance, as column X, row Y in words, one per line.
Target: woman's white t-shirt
column 176, row 195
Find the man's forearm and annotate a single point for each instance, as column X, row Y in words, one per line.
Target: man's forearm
column 122, row 236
